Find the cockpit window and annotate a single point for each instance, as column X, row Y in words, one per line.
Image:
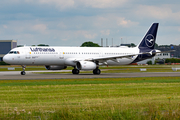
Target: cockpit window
column 11, row 52
column 14, row 52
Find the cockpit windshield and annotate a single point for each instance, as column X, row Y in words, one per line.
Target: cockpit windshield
column 14, row 52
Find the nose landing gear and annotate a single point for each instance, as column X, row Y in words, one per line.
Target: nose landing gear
column 23, row 72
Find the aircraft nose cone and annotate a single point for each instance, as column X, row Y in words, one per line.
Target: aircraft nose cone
column 5, row 59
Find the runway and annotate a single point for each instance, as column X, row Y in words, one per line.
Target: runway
column 15, row 75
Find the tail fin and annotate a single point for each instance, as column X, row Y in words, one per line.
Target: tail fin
column 149, row 39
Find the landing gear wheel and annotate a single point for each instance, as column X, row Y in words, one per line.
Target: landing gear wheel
column 23, row 72
column 75, row 71
column 97, row 71
column 94, row 71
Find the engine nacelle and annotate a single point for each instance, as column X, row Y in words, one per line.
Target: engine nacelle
column 54, row 67
column 86, row 65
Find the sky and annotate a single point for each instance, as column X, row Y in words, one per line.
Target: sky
column 73, row 22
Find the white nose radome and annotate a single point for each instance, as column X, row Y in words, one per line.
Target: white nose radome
column 6, row 59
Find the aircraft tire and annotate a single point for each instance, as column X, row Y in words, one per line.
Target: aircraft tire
column 94, row 71
column 23, row 73
column 75, row 71
column 97, row 71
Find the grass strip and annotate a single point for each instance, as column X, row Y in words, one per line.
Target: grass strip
column 89, row 81
column 97, row 98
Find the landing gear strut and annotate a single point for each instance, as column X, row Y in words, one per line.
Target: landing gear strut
column 23, row 72
column 75, row 71
column 96, row 71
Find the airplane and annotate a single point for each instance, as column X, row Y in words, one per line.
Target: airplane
column 83, row 58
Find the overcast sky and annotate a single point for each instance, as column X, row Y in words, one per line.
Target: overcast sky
column 72, row 22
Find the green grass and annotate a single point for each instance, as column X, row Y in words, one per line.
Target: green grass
column 97, row 98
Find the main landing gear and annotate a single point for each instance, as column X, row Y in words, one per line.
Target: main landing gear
column 96, row 71
column 23, row 72
column 75, row 71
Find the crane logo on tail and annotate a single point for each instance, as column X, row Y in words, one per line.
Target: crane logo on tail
column 149, row 40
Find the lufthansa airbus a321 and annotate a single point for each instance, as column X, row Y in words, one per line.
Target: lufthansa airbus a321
column 83, row 58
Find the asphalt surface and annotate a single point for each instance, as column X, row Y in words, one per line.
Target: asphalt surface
column 15, row 75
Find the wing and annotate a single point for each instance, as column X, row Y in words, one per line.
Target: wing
column 102, row 58
column 130, row 56
column 114, row 57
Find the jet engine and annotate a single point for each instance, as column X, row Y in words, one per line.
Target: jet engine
column 54, row 67
column 86, row 65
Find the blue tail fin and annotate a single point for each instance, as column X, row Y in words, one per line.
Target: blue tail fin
column 148, row 42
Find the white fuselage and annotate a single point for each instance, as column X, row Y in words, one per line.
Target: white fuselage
column 66, row 56
column 83, row 58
